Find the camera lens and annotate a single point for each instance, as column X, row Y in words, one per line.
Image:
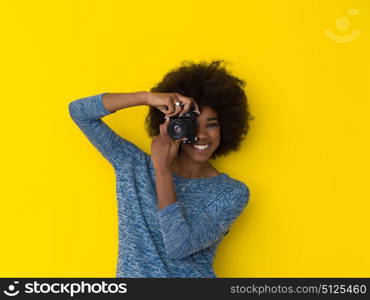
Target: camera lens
column 184, row 126
column 177, row 129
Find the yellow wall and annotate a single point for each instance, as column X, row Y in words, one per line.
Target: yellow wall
column 305, row 160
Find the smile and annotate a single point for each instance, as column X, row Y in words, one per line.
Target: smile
column 200, row 147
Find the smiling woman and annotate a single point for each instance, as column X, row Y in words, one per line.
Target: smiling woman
column 170, row 221
column 211, row 86
column 192, row 159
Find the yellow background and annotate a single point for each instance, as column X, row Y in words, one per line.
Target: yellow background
column 306, row 158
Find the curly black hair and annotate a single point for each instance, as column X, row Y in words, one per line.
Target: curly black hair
column 209, row 85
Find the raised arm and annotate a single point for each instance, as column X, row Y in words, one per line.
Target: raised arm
column 183, row 238
column 87, row 113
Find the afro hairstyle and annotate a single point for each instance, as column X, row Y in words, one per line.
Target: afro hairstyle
column 209, row 84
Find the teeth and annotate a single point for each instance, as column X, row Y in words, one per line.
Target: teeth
column 200, row 147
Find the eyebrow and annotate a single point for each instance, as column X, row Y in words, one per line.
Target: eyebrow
column 210, row 119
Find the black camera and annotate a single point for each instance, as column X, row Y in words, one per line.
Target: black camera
column 184, row 126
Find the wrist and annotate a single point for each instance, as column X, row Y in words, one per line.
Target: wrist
column 164, row 171
column 144, row 97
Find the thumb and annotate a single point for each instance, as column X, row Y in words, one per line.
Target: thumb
column 178, row 142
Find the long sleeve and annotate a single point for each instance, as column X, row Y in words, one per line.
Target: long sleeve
column 182, row 239
column 87, row 113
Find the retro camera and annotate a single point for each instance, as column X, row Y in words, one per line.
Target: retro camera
column 184, row 126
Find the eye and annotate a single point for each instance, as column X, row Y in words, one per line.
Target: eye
column 213, row 124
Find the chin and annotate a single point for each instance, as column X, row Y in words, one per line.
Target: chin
column 200, row 159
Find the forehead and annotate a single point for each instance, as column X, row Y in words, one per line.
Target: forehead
column 207, row 113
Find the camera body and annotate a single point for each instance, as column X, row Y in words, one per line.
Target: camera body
column 184, row 126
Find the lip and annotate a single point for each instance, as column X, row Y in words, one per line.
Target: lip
column 192, row 146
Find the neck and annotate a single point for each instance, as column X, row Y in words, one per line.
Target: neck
column 186, row 167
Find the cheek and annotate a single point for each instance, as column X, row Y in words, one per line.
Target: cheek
column 216, row 135
column 216, row 138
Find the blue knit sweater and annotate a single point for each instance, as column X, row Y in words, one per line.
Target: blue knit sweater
column 181, row 239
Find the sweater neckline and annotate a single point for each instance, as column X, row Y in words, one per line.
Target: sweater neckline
column 221, row 175
column 199, row 178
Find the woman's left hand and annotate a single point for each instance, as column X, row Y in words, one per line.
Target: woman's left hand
column 164, row 149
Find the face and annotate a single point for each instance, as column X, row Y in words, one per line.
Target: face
column 208, row 135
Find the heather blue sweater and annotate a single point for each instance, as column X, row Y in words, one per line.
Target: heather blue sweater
column 179, row 240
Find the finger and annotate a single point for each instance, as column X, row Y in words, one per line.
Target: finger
column 171, row 106
column 189, row 101
column 178, row 108
column 180, row 140
column 186, row 107
column 186, row 102
column 163, row 129
column 196, row 107
column 163, row 109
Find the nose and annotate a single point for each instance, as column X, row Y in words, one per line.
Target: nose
column 202, row 134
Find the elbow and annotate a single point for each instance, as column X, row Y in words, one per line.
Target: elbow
column 178, row 252
column 72, row 109
column 176, row 255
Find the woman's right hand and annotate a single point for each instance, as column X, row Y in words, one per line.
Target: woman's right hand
column 165, row 102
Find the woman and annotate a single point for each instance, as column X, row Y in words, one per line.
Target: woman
column 174, row 207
